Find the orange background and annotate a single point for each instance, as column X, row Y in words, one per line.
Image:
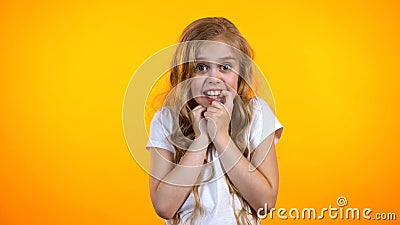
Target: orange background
column 333, row 67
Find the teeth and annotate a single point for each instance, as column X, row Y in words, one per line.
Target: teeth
column 213, row 93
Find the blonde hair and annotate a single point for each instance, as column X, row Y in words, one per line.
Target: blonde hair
column 183, row 64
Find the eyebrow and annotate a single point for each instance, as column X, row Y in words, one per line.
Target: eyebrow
column 222, row 59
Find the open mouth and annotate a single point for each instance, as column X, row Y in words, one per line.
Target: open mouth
column 213, row 95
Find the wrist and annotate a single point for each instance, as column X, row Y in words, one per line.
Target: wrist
column 202, row 136
column 201, row 142
column 221, row 141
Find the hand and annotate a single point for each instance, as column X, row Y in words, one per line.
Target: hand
column 218, row 115
column 198, row 121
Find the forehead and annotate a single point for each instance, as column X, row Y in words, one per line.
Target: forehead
column 215, row 52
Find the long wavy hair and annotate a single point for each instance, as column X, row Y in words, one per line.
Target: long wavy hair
column 182, row 69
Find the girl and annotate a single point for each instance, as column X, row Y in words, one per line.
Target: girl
column 212, row 145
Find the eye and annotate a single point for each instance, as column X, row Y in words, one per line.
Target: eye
column 225, row 67
column 201, row 67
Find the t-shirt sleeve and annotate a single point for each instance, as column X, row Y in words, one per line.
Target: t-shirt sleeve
column 160, row 131
column 263, row 123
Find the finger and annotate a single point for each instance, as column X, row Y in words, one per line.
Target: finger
column 197, row 112
column 220, row 106
column 213, row 108
column 217, row 105
column 197, row 107
column 229, row 95
column 208, row 115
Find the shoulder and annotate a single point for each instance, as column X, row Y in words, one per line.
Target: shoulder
column 263, row 122
column 261, row 112
column 165, row 117
column 259, row 104
column 161, row 128
column 165, row 111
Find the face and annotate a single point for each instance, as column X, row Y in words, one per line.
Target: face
column 216, row 70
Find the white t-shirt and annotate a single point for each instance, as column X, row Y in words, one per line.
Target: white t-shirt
column 214, row 196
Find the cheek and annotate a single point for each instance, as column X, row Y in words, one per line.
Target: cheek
column 196, row 86
column 233, row 82
column 202, row 101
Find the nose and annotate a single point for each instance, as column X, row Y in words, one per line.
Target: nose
column 213, row 81
column 215, row 76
